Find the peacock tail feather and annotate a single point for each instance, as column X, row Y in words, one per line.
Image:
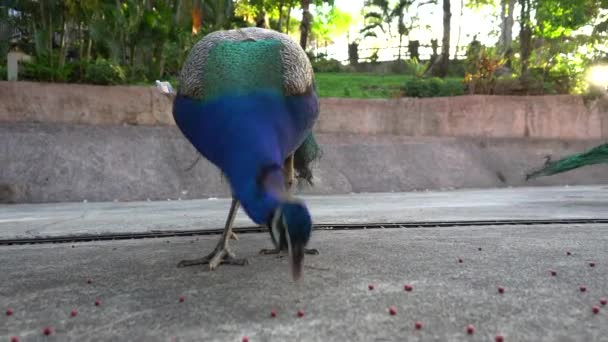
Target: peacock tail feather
column 596, row 155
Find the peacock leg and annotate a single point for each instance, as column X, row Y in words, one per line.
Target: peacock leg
column 221, row 254
column 289, row 181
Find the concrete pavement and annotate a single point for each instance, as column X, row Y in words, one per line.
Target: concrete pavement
column 40, row 220
column 139, row 286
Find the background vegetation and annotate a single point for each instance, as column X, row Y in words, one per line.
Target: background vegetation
column 138, row 41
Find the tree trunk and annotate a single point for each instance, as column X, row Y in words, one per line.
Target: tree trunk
column 506, row 29
column 445, row 43
column 400, row 42
column 289, row 16
column 459, row 30
column 305, row 24
column 525, row 36
column 63, row 37
column 280, row 23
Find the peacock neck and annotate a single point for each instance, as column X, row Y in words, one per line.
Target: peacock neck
column 262, row 196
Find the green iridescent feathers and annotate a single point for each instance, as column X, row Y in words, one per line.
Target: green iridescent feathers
column 234, row 67
column 596, row 155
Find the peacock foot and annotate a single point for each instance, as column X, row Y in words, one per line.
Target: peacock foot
column 309, row 251
column 221, row 255
column 233, row 236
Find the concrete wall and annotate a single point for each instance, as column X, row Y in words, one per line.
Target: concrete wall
column 542, row 117
column 62, row 142
column 67, row 162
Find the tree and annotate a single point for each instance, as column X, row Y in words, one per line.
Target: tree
column 442, row 71
column 306, row 23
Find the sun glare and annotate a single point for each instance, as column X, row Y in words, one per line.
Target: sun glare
column 598, row 75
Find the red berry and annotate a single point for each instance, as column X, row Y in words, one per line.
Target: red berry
column 47, row 331
column 470, row 329
column 392, row 310
column 273, row 313
column 501, row 289
column 591, row 264
column 182, row 299
column 583, row 288
column 300, row 313
column 14, row 339
column 408, row 288
column 595, row 309
column 568, row 253
column 89, row 281
column 97, row 302
column 418, row 325
column 370, row 286
column 460, row 260
column 603, row 300
column 9, row 312
column 553, row 273
column 245, row 339
column 73, row 313
column 499, row 338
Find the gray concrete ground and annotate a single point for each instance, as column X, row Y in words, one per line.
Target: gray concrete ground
column 41, row 220
column 139, row 285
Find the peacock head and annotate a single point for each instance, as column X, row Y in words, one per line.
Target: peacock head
column 290, row 230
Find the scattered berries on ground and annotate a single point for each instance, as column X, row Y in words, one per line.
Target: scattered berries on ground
column 553, row 273
column 470, row 329
column 370, row 286
column 583, row 288
column 501, row 289
column 73, row 313
column 499, row 338
column 47, row 331
column 595, row 309
column 392, row 310
column 97, row 302
column 591, row 264
column 182, row 299
column 418, row 325
column 300, row 313
column 273, row 313
column 603, row 300
column 9, row 312
column 408, row 288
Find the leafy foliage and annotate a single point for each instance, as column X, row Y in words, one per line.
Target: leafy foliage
column 432, row 87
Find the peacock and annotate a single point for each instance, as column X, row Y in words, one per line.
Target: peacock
column 247, row 101
column 595, row 155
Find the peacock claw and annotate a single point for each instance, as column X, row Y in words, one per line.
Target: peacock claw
column 215, row 259
column 233, row 236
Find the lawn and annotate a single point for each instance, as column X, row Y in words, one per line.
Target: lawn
column 359, row 85
column 362, row 85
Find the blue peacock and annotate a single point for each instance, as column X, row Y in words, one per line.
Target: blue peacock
column 247, row 102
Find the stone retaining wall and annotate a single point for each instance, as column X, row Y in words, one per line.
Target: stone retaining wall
column 542, row 117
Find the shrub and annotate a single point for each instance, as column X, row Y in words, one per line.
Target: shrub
column 326, row 65
column 104, row 72
column 138, row 73
column 43, row 72
column 3, row 72
column 432, row 87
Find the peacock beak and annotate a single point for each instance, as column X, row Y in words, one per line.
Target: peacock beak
column 296, row 256
column 296, row 252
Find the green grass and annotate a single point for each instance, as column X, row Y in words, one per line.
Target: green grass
column 360, row 85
